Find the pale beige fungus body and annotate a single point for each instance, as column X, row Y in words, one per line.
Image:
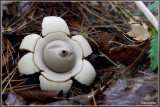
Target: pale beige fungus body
column 57, row 56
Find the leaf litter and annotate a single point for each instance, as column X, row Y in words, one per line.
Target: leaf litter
column 107, row 30
column 139, row 32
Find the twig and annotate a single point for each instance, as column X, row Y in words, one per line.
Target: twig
column 34, row 20
column 127, row 45
column 106, row 76
column 20, row 83
column 19, row 80
column 110, row 25
column 25, row 86
column 4, row 74
column 145, row 73
column 32, row 7
column 81, row 28
column 94, row 7
column 9, row 47
column 109, row 21
column 20, row 27
column 94, row 100
column 76, row 88
column 64, row 13
column 9, row 75
column 147, row 13
column 55, row 13
column 121, row 9
column 12, row 19
column 104, row 87
column 94, row 41
column 73, row 93
column 6, row 65
column 138, row 58
column 68, row 9
column 86, row 18
column 8, row 83
column 23, row 89
column 123, row 34
column 25, row 25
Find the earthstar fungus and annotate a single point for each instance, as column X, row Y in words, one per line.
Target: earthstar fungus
column 57, row 56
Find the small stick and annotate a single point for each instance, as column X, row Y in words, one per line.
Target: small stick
column 64, row 13
column 147, row 13
column 4, row 80
column 25, row 25
column 81, row 28
column 86, row 18
column 34, row 20
column 8, row 83
column 145, row 73
column 109, row 21
column 94, row 100
column 7, row 65
column 55, row 12
column 127, row 45
column 20, row 83
column 138, row 58
column 31, row 8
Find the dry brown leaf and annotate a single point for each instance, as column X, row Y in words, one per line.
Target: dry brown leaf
column 37, row 94
column 86, row 99
column 139, row 32
column 123, row 54
column 102, row 40
column 30, row 95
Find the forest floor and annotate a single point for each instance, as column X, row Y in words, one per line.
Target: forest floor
column 120, row 53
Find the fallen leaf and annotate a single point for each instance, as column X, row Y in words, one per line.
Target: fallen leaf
column 14, row 99
column 102, row 40
column 121, row 54
column 78, row 100
column 133, row 91
column 126, row 55
column 86, row 99
column 37, row 94
column 139, row 32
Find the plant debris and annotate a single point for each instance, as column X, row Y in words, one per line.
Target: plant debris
column 139, row 32
column 120, row 42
